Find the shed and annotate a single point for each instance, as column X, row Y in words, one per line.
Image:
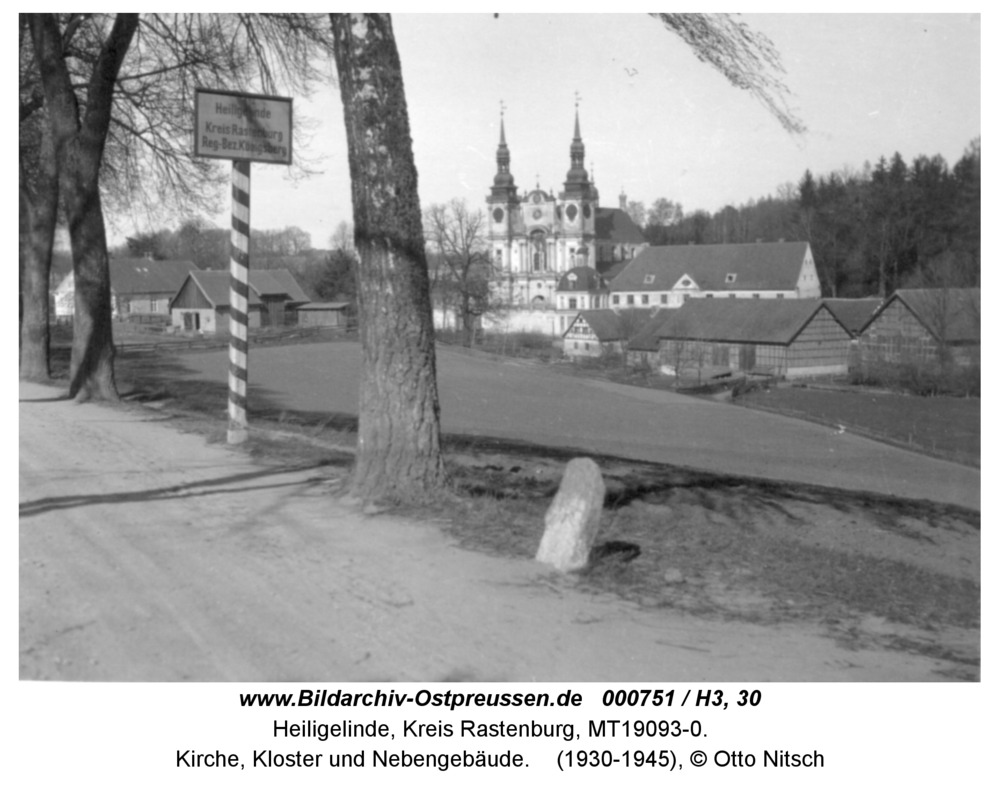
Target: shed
column 202, row 303
column 327, row 313
column 280, row 296
column 924, row 326
column 787, row 338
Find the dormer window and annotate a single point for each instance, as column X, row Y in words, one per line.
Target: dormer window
column 650, row 278
column 730, row 278
column 571, row 277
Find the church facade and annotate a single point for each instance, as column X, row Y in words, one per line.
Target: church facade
column 535, row 239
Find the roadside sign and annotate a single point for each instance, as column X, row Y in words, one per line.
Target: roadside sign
column 242, row 127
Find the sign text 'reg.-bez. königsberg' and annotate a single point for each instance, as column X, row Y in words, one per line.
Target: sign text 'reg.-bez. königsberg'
column 243, row 126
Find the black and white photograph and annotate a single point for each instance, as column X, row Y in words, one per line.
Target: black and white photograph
column 499, row 348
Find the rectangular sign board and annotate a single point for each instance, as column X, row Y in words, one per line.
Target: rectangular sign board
column 242, row 126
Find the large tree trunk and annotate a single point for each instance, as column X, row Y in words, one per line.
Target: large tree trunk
column 399, row 452
column 38, row 207
column 79, row 146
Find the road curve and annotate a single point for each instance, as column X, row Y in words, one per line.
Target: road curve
column 482, row 396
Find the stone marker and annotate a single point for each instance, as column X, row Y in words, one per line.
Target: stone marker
column 573, row 518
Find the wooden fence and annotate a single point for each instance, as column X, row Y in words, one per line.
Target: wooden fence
column 166, row 345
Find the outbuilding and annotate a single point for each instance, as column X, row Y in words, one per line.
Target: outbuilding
column 202, row 304
column 924, row 326
column 785, row 338
column 326, row 313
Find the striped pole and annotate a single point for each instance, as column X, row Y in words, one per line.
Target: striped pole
column 239, row 294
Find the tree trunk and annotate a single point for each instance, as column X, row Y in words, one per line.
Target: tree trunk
column 399, row 452
column 79, row 147
column 38, row 207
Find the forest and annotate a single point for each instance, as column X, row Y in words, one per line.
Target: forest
column 873, row 230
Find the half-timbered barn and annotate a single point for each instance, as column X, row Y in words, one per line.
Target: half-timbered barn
column 785, row 338
column 924, row 326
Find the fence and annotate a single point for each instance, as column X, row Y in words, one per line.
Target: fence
column 166, row 345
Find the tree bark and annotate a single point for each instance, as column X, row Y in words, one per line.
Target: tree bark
column 399, row 452
column 38, row 208
column 79, row 148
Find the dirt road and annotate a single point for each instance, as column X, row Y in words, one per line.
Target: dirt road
column 147, row 554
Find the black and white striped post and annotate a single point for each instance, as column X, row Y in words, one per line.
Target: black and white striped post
column 242, row 127
column 239, row 298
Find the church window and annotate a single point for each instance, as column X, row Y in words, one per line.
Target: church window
column 586, row 211
column 498, row 215
column 571, row 213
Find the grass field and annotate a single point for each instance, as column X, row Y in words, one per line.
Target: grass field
column 944, row 426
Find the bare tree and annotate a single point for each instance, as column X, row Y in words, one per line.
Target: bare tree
column 746, row 58
column 467, row 280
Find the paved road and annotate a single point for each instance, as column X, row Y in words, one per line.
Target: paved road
column 531, row 403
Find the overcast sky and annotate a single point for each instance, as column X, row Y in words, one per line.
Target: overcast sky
column 655, row 121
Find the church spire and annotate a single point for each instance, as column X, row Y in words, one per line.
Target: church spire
column 576, row 178
column 503, row 183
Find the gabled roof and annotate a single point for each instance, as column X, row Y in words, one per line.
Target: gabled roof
column 214, row 285
column 581, row 279
column 286, row 279
column 950, row 315
column 853, row 313
column 138, row 276
column 647, row 339
column 757, row 266
column 612, row 326
column 743, row 320
column 609, row 270
column 617, row 226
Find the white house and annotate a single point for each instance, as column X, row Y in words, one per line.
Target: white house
column 666, row 276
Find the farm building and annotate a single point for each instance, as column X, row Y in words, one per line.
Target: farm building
column 593, row 333
column 853, row 313
column 667, row 276
column 138, row 286
column 328, row 313
column 921, row 326
column 202, row 304
column 280, row 296
column 787, row 338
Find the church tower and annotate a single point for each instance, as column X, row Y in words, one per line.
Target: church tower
column 578, row 203
column 504, row 208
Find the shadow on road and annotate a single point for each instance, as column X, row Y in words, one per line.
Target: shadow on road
column 215, row 486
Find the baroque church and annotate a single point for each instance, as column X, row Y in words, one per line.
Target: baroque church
column 542, row 244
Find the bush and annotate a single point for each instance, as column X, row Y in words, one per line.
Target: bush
column 920, row 379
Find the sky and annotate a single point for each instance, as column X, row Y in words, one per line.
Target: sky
column 655, row 121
